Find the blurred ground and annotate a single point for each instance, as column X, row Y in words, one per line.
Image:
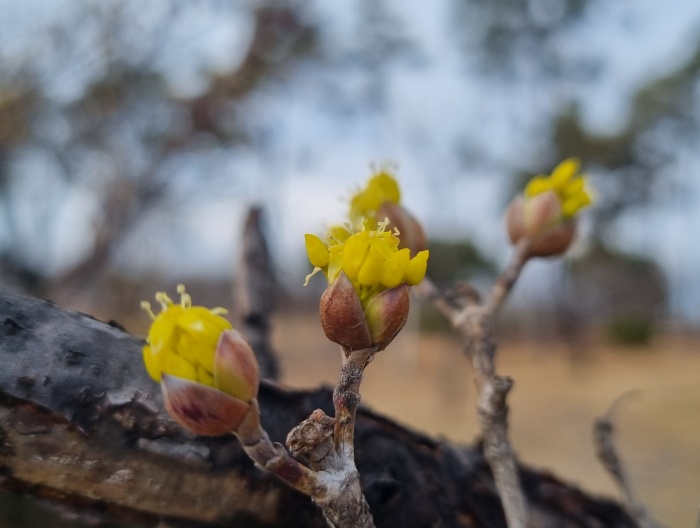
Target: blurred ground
column 424, row 381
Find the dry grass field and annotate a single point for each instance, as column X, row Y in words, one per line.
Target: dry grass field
column 424, row 381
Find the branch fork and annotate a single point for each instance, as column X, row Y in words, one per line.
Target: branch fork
column 331, row 478
column 473, row 319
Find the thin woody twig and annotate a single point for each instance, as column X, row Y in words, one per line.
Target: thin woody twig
column 604, row 441
column 274, row 457
column 332, row 481
column 474, row 322
column 346, row 398
column 328, row 444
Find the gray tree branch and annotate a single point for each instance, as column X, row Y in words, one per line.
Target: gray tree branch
column 82, row 424
column 474, row 321
column 606, row 450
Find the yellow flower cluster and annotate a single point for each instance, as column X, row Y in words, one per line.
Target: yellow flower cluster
column 182, row 339
column 381, row 188
column 371, row 259
column 568, row 185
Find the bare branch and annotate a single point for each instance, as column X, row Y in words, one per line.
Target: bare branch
column 474, row 322
column 604, row 441
column 82, row 423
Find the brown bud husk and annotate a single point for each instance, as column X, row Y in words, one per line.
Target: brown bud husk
column 541, row 222
column 412, row 234
column 342, row 317
column 201, row 409
column 236, row 370
column 387, row 314
column 555, row 241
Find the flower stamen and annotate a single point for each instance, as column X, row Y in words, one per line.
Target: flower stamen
column 145, row 305
column 185, row 298
column 163, row 300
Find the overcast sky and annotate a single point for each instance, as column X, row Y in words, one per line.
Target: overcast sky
column 316, row 153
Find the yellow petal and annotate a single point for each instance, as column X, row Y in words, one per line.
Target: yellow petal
column 204, row 377
column 335, row 266
column 563, row 172
column 537, row 185
column 370, row 273
column 575, row 186
column 161, row 332
column 202, row 324
column 382, row 246
column 197, row 351
column 354, row 254
column 417, row 268
column 178, row 366
column 317, row 251
column 338, row 234
column 383, row 188
column 394, row 270
column 154, row 363
column 575, row 203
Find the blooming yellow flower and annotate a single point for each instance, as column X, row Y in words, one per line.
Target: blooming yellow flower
column 381, row 188
column 567, row 184
column 371, row 259
column 209, row 372
column 369, row 269
column 182, row 339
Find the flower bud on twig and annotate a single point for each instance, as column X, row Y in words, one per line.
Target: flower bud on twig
column 209, row 372
column 369, row 268
column 545, row 214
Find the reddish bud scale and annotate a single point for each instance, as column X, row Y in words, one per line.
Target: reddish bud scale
column 236, row 370
column 345, row 322
column 201, row 409
column 387, row 314
column 342, row 317
column 542, row 223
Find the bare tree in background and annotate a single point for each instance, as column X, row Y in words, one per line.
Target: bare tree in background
column 125, row 137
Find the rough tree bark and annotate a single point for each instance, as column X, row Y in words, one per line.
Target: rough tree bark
column 82, row 424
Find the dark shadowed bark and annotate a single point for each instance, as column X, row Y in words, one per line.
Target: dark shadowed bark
column 83, row 424
column 255, row 293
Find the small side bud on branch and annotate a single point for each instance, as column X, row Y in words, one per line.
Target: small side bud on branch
column 545, row 214
column 537, row 219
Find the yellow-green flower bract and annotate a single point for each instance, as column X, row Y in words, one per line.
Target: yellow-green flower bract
column 182, row 339
column 568, row 185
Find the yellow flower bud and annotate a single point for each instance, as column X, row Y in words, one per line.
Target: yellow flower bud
column 546, row 212
column 364, row 261
column 342, row 317
column 317, row 250
column 208, row 371
column 381, row 188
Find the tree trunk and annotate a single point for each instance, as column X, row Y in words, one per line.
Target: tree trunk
column 83, row 424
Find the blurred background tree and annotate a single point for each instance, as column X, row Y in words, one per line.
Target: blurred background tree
column 118, row 117
column 134, row 135
column 97, row 126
